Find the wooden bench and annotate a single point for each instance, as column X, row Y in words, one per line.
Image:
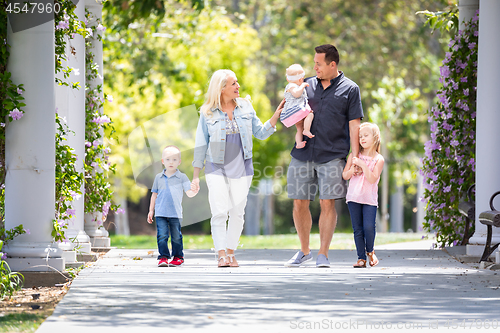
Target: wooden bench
column 468, row 209
column 490, row 218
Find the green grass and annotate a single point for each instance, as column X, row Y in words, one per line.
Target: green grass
column 289, row 241
column 21, row 322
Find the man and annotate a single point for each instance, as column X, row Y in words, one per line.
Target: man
column 336, row 102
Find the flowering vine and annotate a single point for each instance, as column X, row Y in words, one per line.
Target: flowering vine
column 449, row 162
column 68, row 180
column 98, row 193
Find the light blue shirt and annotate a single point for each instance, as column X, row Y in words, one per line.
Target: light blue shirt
column 170, row 191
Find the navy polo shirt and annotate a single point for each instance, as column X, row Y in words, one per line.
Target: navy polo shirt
column 333, row 108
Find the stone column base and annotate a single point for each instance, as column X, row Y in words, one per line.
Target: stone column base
column 36, row 264
column 100, row 242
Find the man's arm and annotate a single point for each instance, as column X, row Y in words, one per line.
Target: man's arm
column 354, row 135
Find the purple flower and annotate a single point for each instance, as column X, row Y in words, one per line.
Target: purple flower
column 70, row 211
column 88, row 144
column 101, row 120
column 27, row 231
column 476, row 33
column 120, row 211
column 19, row 91
column 445, row 71
column 93, row 164
column 16, row 114
column 100, row 27
column 454, row 143
column 466, row 92
column 472, row 45
column 462, row 65
column 464, row 79
column 62, row 25
column 4, row 255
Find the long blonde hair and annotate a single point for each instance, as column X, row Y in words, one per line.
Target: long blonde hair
column 375, row 133
column 217, row 83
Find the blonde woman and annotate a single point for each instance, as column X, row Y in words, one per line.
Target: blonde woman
column 224, row 141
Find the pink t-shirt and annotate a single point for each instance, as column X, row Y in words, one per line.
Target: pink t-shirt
column 360, row 190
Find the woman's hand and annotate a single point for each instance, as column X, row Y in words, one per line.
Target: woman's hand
column 276, row 116
column 195, row 185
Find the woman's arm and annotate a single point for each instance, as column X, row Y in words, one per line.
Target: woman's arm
column 196, row 179
column 201, row 143
column 276, row 116
column 263, row 131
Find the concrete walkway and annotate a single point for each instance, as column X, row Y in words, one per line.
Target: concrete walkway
column 412, row 287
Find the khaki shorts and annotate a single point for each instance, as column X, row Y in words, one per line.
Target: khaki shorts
column 304, row 179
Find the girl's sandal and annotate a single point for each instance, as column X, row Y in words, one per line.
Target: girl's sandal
column 373, row 258
column 223, row 262
column 232, row 261
column 360, row 264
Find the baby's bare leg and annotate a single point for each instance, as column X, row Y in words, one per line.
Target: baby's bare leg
column 307, row 125
column 299, row 143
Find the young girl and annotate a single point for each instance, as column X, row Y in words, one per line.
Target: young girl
column 362, row 193
column 296, row 110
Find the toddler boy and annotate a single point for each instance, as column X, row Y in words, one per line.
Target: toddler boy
column 166, row 206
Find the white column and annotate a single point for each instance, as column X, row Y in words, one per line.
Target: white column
column 466, row 10
column 396, row 216
column 70, row 104
column 488, row 118
column 30, row 151
column 98, row 236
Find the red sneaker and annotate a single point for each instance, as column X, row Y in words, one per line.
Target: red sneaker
column 163, row 262
column 176, row 262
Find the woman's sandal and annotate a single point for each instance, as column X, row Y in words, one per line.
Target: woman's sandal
column 373, row 258
column 360, row 264
column 223, row 262
column 232, row 261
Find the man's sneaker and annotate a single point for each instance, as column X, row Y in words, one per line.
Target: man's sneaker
column 322, row 261
column 176, row 262
column 163, row 262
column 298, row 259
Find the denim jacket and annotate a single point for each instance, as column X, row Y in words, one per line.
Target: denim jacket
column 211, row 133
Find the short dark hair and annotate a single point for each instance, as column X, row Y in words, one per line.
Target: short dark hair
column 330, row 51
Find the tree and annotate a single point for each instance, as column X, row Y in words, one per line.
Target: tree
column 157, row 67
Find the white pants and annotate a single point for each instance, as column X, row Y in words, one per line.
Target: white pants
column 227, row 197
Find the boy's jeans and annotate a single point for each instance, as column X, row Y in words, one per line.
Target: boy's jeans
column 163, row 226
column 363, row 223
